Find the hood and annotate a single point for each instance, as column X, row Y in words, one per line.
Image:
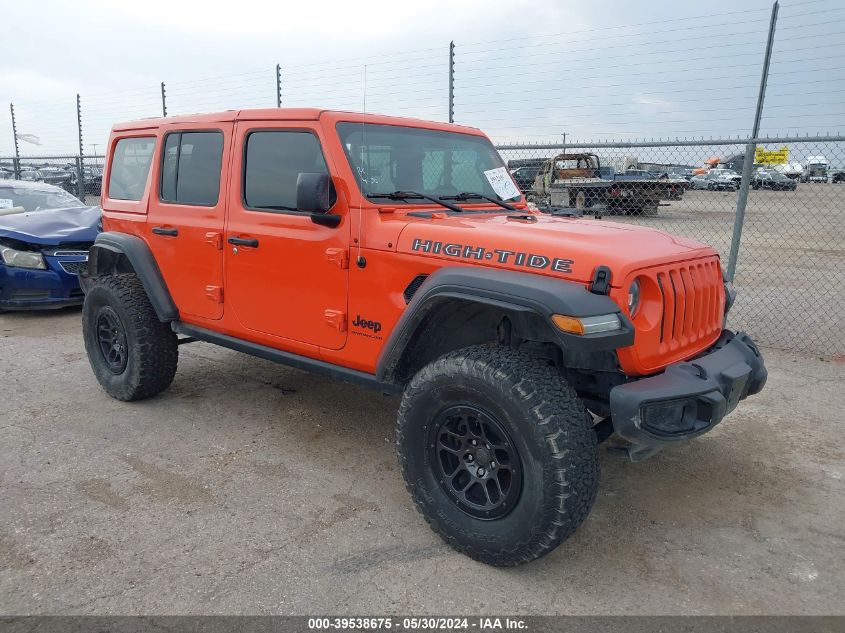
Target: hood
column 52, row 226
column 558, row 246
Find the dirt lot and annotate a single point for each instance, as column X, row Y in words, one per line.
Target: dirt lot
column 252, row 488
column 791, row 267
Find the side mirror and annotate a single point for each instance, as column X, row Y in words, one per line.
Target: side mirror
column 312, row 192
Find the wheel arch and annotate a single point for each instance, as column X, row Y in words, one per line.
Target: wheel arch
column 459, row 307
column 115, row 253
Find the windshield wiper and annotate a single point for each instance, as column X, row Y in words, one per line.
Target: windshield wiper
column 468, row 195
column 406, row 195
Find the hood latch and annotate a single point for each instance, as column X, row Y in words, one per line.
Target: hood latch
column 601, row 281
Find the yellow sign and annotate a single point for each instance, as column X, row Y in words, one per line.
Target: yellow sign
column 771, row 157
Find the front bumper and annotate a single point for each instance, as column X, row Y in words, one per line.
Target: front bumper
column 689, row 398
column 35, row 289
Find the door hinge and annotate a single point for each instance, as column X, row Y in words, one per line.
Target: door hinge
column 336, row 319
column 215, row 239
column 215, row 293
column 339, row 256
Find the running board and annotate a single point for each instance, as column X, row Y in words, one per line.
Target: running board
column 285, row 358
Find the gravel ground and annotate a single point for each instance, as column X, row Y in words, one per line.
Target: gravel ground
column 253, row 488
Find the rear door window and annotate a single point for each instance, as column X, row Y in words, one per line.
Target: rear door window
column 130, row 167
column 190, row 170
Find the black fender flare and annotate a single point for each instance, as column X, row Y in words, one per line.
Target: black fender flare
column 521, row 294
column 115, row 252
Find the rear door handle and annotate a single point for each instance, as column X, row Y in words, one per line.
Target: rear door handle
column 161, row 230
column 243, row 241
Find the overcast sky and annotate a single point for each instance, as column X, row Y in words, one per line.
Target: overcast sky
column 525, row 71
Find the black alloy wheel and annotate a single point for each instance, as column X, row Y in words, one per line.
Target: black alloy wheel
column 476, row 461
column 111, row 339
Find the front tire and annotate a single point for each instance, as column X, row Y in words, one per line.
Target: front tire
column 132, row 353
column 497, row 451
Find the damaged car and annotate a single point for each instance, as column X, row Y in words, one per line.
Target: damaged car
column 45, row 234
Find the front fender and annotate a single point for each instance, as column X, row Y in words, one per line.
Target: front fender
column 531, row 298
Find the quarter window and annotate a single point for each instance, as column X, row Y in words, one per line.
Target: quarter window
column 274, row 160
column 190, row 171
column 130, row 166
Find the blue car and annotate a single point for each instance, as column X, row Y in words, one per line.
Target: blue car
column 45, row 234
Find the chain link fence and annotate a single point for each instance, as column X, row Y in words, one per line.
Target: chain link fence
column 81, row 176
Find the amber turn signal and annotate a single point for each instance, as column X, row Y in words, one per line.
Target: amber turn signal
column 568, row 323
column 587, row 325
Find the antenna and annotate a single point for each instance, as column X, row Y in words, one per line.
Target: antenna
column 360, row 260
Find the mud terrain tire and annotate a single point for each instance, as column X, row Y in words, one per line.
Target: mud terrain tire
column 534, row 411
column 132, row 353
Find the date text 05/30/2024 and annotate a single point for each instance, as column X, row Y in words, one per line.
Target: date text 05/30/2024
column 430, row 623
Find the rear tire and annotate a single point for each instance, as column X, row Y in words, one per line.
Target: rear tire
column 132, row 353
column 523, row 415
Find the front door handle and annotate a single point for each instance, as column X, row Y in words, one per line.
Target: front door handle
column 162, row 230
column 243, row 241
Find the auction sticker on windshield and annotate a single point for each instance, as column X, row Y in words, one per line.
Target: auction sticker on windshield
column 502, row 183
column 5, row 203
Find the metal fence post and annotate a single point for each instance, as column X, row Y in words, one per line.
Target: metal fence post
column 750, row 148
column 278, row 85
column 452, row 82
column 163, row 100
column 17, row 162
column 80, row 174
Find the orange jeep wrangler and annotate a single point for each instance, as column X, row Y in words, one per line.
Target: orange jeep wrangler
column 399, row 254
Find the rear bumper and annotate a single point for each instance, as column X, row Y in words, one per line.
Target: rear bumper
column 689, row 398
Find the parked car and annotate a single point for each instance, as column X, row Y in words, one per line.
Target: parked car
column 675, row 187
column 93, row 179
column 770, row 179
column 45, row 234
column 639, row 174
column 57, row 176
column 716, row 180
column 524, row 176
column 722, row 174
column 32, row 175
column 698, row 181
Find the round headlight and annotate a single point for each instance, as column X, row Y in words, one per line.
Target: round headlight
column 633, row 297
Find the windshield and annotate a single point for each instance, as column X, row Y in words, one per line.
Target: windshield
column 388, row 158
column 30, row 199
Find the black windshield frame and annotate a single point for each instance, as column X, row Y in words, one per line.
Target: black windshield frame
column 408, row 158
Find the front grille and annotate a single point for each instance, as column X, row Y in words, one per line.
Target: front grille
column 681, row 318
column 692, row 306
column 71, row 254
column 74, row 268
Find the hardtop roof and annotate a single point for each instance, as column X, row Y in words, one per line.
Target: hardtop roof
column 289, row 114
